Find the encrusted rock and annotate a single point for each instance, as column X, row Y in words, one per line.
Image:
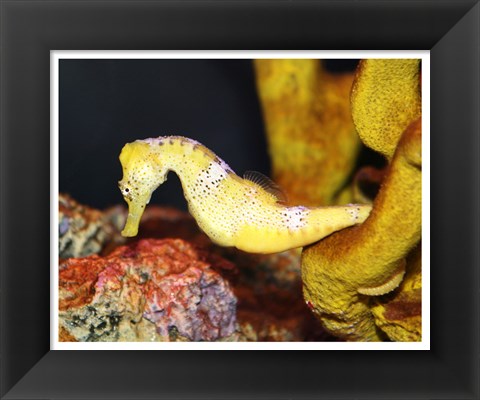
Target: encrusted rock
column 150, row 290
column 82, row 230
column 266, row 288
column 270, row 302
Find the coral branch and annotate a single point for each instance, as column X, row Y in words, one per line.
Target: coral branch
column 386, row 98
column 312, row 141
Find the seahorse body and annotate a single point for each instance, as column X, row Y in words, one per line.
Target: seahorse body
column 232, row 211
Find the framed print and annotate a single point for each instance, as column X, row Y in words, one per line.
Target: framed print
column 88, row 113
column 173, row 309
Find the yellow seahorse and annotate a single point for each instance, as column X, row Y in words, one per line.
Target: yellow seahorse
column 247, row 212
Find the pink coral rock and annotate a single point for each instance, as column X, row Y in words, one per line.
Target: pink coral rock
column 163, row 283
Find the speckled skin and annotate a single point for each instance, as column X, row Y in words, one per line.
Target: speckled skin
column 232, row 211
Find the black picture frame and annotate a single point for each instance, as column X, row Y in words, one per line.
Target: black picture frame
column 30, row 29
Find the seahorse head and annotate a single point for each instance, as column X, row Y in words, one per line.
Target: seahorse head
column 142, row 174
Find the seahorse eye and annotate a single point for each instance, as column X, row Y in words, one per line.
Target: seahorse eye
column 123, row 188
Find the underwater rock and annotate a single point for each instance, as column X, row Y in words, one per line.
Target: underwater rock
column 149, row 290
column 270, row 305
column 82, row 230
column 169, row 222
column 268, row 287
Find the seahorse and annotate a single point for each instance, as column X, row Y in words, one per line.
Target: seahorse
column 248, row 213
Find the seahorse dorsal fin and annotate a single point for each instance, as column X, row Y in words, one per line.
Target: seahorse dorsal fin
column 266, row 184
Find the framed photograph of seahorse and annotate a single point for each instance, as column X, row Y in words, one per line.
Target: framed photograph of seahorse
column 241, row 190
column 295, row 216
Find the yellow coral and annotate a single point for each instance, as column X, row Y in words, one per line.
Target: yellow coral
column 400, row 315
column 386, row 98
column 368, row 258
column 311, row 138
column 313, row 147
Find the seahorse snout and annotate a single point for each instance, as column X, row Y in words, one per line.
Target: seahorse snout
column 135, row 212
